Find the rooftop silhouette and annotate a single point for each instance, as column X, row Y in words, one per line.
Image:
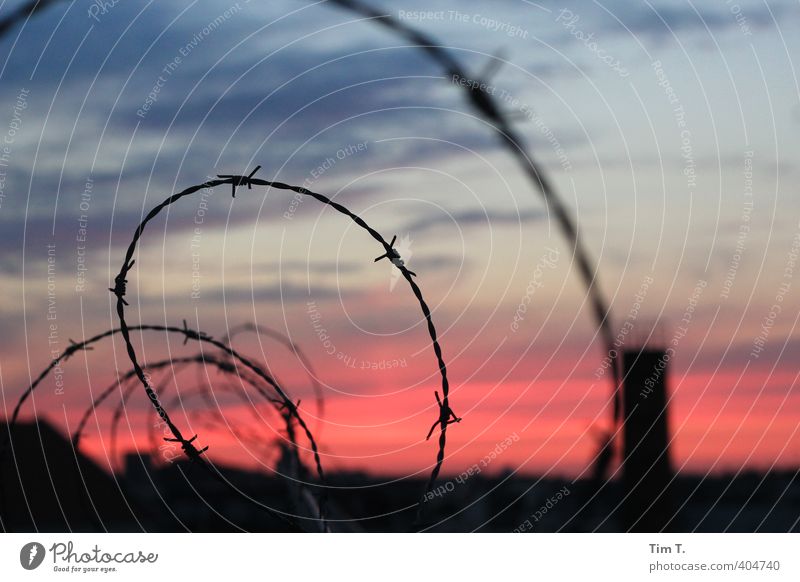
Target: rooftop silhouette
column 48, row 486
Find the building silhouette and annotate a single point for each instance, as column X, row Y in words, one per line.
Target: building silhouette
column 647, row 504
column 47, row 485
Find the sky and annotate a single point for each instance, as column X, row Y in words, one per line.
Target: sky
column 668, row 128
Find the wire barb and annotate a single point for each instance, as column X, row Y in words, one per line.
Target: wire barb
column 121, row 283
column 239, row 180
column 78, row 346
column 189, row 333
column 394, row 257
column 446, row 416
column 288, row 405
column 186, row 444
column 75, row 347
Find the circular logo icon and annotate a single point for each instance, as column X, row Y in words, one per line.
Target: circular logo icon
column 31, row 555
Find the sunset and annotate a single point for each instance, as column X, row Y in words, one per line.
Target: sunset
column 400, row 267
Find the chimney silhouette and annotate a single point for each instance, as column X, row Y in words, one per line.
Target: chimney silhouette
column 646, row 470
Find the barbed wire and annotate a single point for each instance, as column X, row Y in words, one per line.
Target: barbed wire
column 305, row 362
column 294, row 471
column 186, row 444
column 224, row 366
column 492, row 112
column 22, row 12
column 175, row 362
column 120, row 290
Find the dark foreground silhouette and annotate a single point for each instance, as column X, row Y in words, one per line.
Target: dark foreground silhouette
column 48, row 486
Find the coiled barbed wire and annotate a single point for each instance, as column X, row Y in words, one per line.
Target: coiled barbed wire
column 446, row 415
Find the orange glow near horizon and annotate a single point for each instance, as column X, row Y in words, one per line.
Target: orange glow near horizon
column 385, row 436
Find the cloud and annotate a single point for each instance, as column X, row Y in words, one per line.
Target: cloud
column 437, row 262
column 317, row 267
column 474, row 217
column 283, row 292
column 664, row 19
